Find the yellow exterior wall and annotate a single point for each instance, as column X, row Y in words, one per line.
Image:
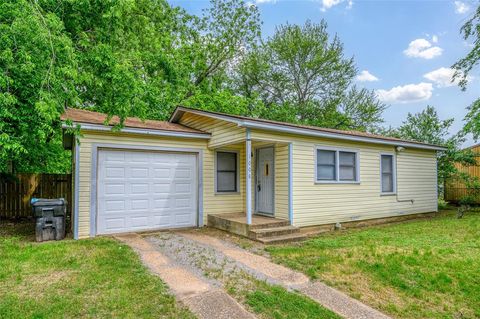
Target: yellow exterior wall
column 315, row 204
column 211, row 203
column 225, row 136
column 229, row 136
column 281, row 181
column 223, row 133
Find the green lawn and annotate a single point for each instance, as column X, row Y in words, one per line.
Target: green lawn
column 419, row 269
column 69, row 279
column 277, row 303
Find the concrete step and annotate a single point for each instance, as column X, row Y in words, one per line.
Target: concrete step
column 282, row 238
column 273, row 231
column 272, row 224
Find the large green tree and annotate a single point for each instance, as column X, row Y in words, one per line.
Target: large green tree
column 470, row 32
column 126, row 58
column 144, row 57
column 37, row 73
column 302, row 75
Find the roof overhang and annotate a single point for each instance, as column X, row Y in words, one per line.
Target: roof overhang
column 133, row 130
column 253, row 124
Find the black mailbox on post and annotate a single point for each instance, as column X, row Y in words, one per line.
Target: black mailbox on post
column 50, row 218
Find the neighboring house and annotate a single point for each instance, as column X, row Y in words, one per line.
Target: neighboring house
column 158, row 175
column 455, row 189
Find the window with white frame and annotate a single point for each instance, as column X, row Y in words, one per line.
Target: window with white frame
column 333, row 165
column 226, row 175
column 387, row 169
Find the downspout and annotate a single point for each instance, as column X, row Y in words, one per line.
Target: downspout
column 399, row 149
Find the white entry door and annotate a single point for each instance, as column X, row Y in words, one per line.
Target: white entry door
column 265, row 181
column 139, row 190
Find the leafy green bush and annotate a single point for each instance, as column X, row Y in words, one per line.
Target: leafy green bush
column 442, row 204
column 467, row 200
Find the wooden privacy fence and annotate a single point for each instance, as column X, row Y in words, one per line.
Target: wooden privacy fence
column 455, row 194
column 15, row 195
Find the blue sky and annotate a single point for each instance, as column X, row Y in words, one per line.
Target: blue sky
column 406, row 48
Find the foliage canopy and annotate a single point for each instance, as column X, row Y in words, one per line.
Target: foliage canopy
column 143, row 57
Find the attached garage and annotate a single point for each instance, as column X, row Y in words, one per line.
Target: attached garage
column 148, row 176
column 144, row 190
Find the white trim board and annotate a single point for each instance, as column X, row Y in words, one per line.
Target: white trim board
column 104, row 128
column 286, row 128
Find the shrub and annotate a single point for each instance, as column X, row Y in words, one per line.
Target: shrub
column 442, row 204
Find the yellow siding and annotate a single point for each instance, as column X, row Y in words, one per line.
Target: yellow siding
column 223, row 133
column 212, row 203
column 225, row 136
column 315, row 204
column 281, row 181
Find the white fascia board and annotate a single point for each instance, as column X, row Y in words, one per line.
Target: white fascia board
column 95, row 127
column 303, row 131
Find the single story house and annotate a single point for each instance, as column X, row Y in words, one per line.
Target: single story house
column 171, row 174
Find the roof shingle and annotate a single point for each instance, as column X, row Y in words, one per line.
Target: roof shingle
column 90, row 117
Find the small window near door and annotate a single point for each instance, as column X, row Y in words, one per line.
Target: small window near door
column 227, row 172
column 388, row 173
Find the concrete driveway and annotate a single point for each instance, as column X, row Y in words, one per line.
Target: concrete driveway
column 198, row 267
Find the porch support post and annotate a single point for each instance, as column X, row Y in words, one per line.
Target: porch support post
column 290, row 183
column 248, row 177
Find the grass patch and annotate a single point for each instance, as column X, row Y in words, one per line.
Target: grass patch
column 278, row 303
column 419, row 269
column 88, row 278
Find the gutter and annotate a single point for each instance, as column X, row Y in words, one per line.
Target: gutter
column 179, row 111
column 103, row 128
column 307, row 132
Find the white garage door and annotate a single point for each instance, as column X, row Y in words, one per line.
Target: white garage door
column 145, row 190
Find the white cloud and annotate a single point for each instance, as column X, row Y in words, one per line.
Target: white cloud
column 443, row 77
column 406, row 93
column 421, row 48
column 461, row 7
column 366, row 76
column 434, row 39
column 327, row 4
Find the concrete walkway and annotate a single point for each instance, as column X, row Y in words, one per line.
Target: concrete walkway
column 204, row 300
column 328, row 297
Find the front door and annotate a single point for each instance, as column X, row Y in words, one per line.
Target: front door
column 265, row 181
